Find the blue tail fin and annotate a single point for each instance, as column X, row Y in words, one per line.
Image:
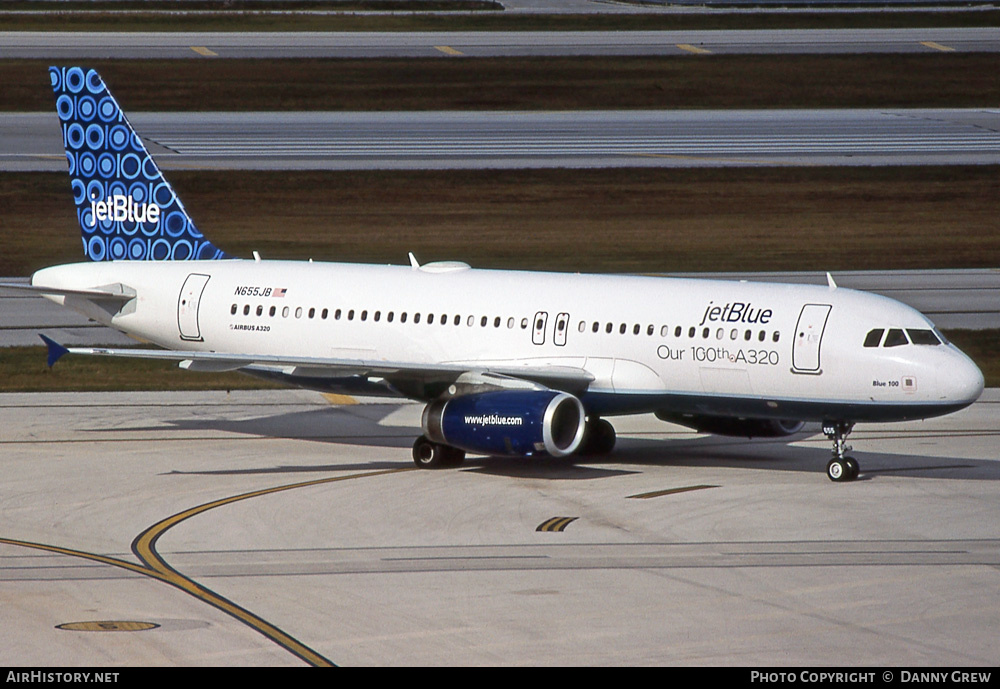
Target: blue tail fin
column 126, row 209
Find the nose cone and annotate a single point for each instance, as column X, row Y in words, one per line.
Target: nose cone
column 964, row 381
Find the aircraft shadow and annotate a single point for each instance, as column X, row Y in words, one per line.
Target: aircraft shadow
column 779, row 454
column 361, row 425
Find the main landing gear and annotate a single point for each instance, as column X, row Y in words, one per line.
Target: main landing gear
column 599, row 438
column 430, row 455
column 842, row 467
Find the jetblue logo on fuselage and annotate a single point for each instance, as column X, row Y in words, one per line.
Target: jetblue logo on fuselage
column 124, row 209
column 735, row 312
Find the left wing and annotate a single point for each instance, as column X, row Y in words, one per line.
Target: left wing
column 404, row 376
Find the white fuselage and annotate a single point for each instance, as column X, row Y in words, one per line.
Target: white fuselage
column 707, row 346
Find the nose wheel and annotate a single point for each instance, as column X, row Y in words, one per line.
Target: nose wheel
column 842, row 467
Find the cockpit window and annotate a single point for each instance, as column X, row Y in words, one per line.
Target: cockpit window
column 874, row 337
column 895, row 338
column 923, row 337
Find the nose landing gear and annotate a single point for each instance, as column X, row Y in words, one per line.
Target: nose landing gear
column 842, row 467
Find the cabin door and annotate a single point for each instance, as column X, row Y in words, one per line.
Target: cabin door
column 187, row 306
column 809, row 338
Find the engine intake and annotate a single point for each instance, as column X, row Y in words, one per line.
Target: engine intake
column 508, row 422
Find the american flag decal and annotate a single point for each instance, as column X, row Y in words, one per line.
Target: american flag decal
column 280, row 291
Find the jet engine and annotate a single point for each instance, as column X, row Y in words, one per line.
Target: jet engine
column 726, row 425
column 508, row 422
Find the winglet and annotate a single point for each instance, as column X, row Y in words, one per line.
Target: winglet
column 56, row 350
column 830, row 282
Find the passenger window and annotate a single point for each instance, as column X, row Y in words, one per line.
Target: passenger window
column 776, row 336
column 377, row 317
column 323, row 315
column 233, row 310
column 923, row 337
column 298, row 312
column 260, row 310
column 597, row 326
column 312, row 312
column 273, row 310
column 873, row 337
column 246, row 310
column 416, row 317
column 677, row 331
column 895, row 338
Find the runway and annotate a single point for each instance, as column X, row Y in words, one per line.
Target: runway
column 270, row 528
column 477, row 140
column 57, row 45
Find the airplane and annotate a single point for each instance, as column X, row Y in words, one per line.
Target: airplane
column 511, row 363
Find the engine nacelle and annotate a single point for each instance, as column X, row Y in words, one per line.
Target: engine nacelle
column 508, row 422
column 724, row 425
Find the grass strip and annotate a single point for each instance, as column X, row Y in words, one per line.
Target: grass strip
column 611, row 220
column 703, row 82
column 345, row 18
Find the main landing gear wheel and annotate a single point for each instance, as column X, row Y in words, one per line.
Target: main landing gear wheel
column 842, row 467
column 599, row 438
column 431, row 455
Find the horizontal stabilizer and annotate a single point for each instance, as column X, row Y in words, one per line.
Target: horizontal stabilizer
column 92, row 294
column 56, row 350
